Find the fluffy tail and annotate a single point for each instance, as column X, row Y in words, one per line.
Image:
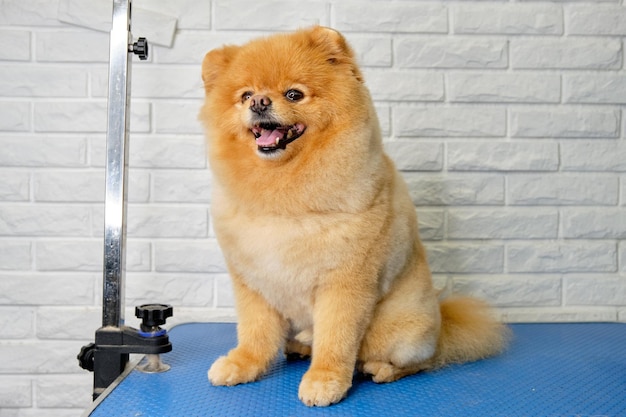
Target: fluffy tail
column 469, row 332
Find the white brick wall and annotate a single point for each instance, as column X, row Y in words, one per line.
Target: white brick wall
column 507, row 118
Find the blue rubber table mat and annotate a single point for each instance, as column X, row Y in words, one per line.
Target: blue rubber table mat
column 549, row 370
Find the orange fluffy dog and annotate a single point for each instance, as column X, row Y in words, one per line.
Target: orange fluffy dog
column 317, row 227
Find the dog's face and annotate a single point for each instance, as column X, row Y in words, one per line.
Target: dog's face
column 275, row 96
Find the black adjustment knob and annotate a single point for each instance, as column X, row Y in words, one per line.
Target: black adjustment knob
column 153, row 315
column 86, row 357
column 140, row 48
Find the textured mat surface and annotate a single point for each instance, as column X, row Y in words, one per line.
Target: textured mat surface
column 549, row 370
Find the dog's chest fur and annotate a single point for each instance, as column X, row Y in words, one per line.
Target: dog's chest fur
column 283, row 258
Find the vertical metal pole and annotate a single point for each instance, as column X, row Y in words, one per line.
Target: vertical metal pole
column 108, row 356
column 117, row 166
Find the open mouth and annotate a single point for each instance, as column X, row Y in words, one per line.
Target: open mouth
column 271, row 137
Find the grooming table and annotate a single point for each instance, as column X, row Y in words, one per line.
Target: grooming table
column 574, row 369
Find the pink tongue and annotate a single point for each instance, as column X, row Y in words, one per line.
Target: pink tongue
column 268, row 137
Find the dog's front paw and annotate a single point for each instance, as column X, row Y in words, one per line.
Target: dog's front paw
column 322, row 388
column 226, row 371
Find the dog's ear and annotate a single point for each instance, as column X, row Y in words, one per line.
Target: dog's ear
column 215, row 63
column 336, row 48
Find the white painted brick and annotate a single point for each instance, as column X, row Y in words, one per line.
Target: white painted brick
column 168, row 152
column 178, row 117
column 15, row 255
column 88, row 117
column 455, row 190
column 148, row 221
column 36, row 412
column 605, row 223
column 186, row 315
column 155, row 221
column 422, row 52
column 594, row 88
column 561, row 257
column 42, row 151
column 166, row 82
column 593, row 290
column 405, row 86
column 40, row 357
column 158, row 28
column 182, row 187
column 593, row 19
column 69, row 186
column 565, row 122
column 503, row 18
column 567, row 53
column 622, row 256
column 157, row 152
column 558, row 315
column 15, row 392
column 68, row 323
column 86, row 186
column 196, row 256
column 190, row 14
column 391, row 17
column 99, row 81
column 503, row 156
column 15, row 117
column 224, row 293
column 29, row 13
column 69, row 256
column 14, row 45
column 14, row 186
column 42, row 82
column 596, row 155
column 46, row 289
column 504, row 88
column 229, row 15
column 44, row 220
column 67, row 391
column 188, row 48
column 503, row 224
column 465, row 257
column 464, row 121
column 74, row 46
column 138, row 256
column 431, row 224
column 372, row 51
column 17, row 323
column 192, row 290
column 562, row 190
column 411, row 155
column 512, row 291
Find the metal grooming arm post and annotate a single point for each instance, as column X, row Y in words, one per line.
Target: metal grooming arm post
column 117, row 166
column 114, row 341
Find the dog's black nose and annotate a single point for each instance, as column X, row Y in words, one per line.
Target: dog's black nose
column 259, row 104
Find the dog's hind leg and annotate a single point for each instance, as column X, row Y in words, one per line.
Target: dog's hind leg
column 403, row 334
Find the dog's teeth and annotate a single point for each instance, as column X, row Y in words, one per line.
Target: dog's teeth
column 277, row 140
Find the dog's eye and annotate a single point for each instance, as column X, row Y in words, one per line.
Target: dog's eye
column 294, row 95
column 246, row 96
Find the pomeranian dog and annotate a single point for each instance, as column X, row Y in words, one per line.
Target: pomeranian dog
column 317, row 227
